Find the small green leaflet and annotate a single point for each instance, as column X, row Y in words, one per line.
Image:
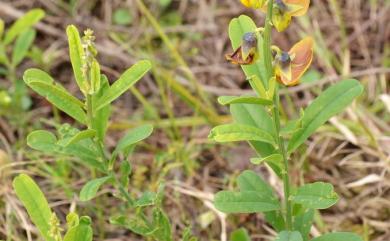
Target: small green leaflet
column 318, row 195
column 85, row 134
column 289, row 236
column 42, row 140
column 26, row 21
column 338, row 236
column 331, row 102
column 249, row 181
column 237, row 28
column 239, row 132
column 76, row 52
column 227, row 100
column 258, row 117
column 90, row 189
column 43, row 84
column 125, row 81
column 22, row 44
column 134, row 136
column 80, row 232
column 274, row 158
column 303, row 221
column 244, row 202
column 35, row 202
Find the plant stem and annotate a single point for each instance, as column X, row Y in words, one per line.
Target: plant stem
column 89, row 111
column 276, row 114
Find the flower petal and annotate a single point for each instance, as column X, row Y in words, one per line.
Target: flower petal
column 304, row 6
column 302, row 53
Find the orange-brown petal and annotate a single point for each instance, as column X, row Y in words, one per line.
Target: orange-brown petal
column 304, row 6
column 236, row 57
column 302, row 53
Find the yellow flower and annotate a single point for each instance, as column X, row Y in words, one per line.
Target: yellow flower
column 291, row 65
column 253, row 3
column 284, row 10
column 247, row 52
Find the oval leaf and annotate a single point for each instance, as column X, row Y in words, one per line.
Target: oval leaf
column 331, row 102
column 249, row 181
column 244, row 202
column 22, row 44
column 125, row 81
column 239, row 132
column 23, row 23
column 60, row 98
column 35, row 202
column 227, row 100
column 318, row 195
column 85, row 134
column 42, row 140
column 289, row 236
column 80, row 232
column 255, row 116
column 90, row 189
column 134, row 136
column 76, row 53
column 338, row 236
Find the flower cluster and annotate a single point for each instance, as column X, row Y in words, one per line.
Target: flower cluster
column 289, row 66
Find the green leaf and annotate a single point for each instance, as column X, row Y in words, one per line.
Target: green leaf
column 276, row 219
column 331, row 102
column 249, row 181
column 289, row 236
column 22, row 45
column 43, row 84
column 163, row 230
column 237, row 28
column 303, row 222
column 274, row 158
column 318, row 195
column 134, row 136
column 35, row 202
column 23, row 23
column 227, row 100
column 42, row 140
column 255, row 116
column 125, row 81
column 100, row 122
column 338, row 236
column 147, row 199
column 60, row 98
column 125, row 171
column 85, row 134
column 95, row 77
column 244, row 202
column 76, row 53
column 239, row 132
column 80, row 232
column 90, row 189
column 240, row 235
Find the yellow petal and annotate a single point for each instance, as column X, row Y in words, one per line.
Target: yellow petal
column 280, row 20
column 253, row 3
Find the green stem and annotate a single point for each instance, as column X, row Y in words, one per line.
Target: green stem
column 276, row 115
column 89, row 111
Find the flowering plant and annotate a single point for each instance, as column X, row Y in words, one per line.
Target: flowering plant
column 257, row 121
